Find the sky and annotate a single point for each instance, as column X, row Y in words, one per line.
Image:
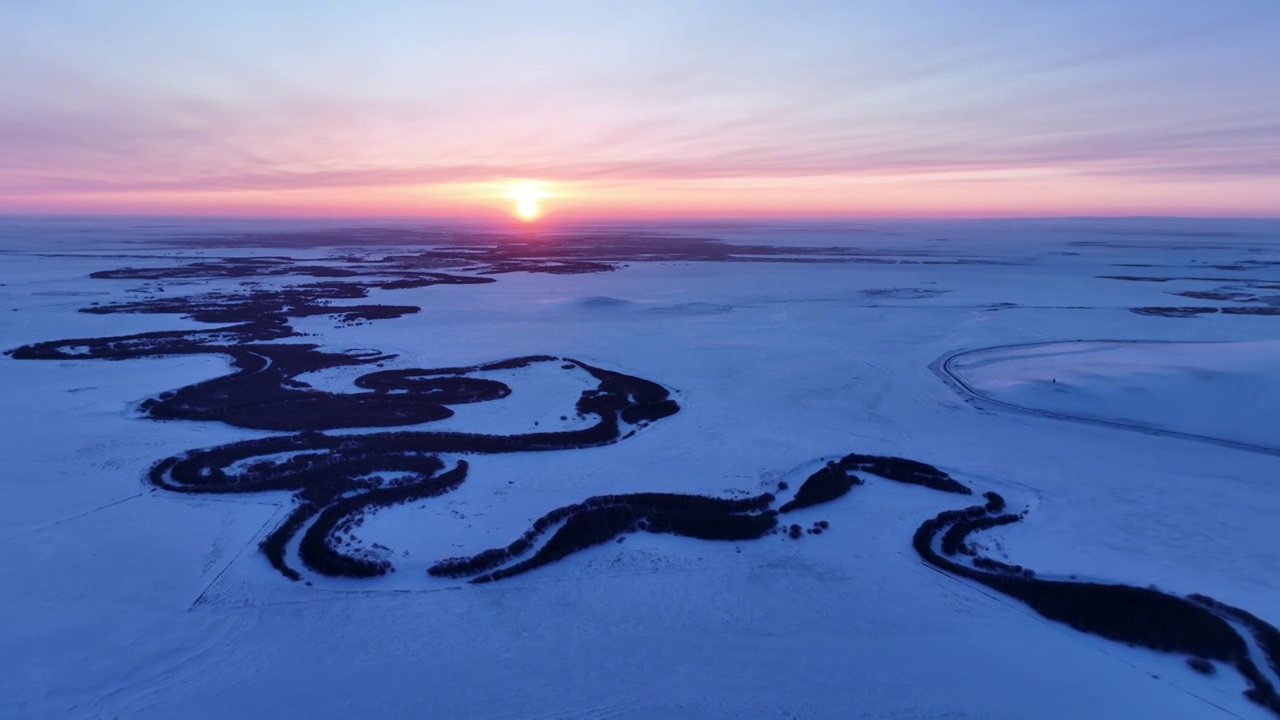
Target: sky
column 687, row 108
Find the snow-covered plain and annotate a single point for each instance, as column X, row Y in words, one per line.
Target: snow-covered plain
column 121, row 600
column 1219, row 390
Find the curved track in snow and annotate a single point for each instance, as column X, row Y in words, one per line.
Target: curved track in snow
column 944, row 368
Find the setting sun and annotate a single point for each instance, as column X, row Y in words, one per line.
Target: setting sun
column 526, row 196
column 527, row 207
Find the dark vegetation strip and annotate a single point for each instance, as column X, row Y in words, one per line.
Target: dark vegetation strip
column 1186, row 312
column 317, row 548
column 323, row 468
column 904, row 471
column 593, row 523
column 1267, row 636
column 275, row 544
column 702, row 515
column 953, row 541
column 514, row 363
column 1133, row 615
column 602, row 518
column 647, row 400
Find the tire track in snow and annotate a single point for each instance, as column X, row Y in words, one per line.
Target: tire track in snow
column 942, row 367
column 77, row 516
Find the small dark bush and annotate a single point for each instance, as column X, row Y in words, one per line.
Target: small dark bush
column 1200, row 665
column 824, row 485
column 995, row 503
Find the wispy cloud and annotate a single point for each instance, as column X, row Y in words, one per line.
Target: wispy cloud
column 1180, row 97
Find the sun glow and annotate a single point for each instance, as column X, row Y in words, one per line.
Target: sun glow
column 527, row 208
column 527, row 196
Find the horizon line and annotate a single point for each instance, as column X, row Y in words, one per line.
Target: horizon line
column 547, row 222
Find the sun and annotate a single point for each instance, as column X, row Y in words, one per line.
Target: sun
column 527, row 196
column 527, row 207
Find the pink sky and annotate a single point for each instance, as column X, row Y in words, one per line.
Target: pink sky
column 931, row 195
column 712, row 109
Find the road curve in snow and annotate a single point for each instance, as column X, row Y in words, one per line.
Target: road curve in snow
column 943, row 367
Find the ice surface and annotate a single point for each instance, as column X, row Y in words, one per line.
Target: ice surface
column 121, row 600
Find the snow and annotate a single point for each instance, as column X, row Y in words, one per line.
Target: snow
column 1228, row 390
column 121, row 600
